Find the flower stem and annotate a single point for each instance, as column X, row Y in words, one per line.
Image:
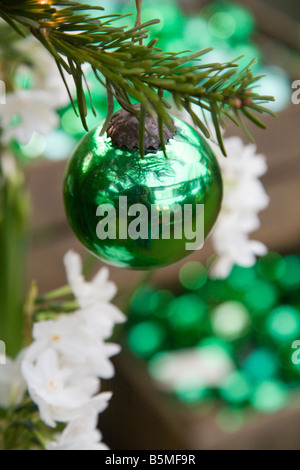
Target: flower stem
column 60, row 292
column 28, row 314
column 14, row 216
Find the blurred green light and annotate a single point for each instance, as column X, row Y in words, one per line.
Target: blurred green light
column 35, row 147
column 230, row 320
column 159, row 301
column 146, row 338
column 269, row 396
column 217, row 343
column 59, row 145
column 261, row 295
column 24, row 78
column 193, row 275
column 191, row 395
column 240, row 278
column 71, row 123
column 221, row 25
column 244, row 22
column 168, row 13
column 186, row 311
column 261, row 365
column 271, row 266
column 250, row 52
column 162, row 367
column 230, row 21
column 192, row 38
column 140, row 302
column 290, row 280
column 236, row 389
column 277, row 83
column 283, row 323
column 110, row 6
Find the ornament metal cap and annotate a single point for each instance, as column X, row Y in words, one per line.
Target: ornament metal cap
column 123, row 130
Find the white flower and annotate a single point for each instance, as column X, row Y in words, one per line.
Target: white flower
column 34, row 112
column 100, row 289
column 63, row 365
column 45, row 73
column 82, row 432
column 57, row 391
column 232, row 244
column 63, row 335
column 78, row 343
column 33, row 109
column 99, row 319
column 12, row 384
column 244, row 196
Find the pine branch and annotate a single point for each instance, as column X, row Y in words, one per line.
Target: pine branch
column 133, row 72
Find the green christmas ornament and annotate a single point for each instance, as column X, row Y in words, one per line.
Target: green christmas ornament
column 142, row 213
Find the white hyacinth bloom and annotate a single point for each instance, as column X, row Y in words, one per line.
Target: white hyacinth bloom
column 63, row 365
column 77, row 342
column 56, row 390
column 12, row 384
column 100, row 289
column 244, row 197
column 82, row 432
column 33, row 108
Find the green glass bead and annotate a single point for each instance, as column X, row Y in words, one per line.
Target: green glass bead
column 236, row 388
column 283, row 324
column 99, row 173
column 270, row 396
column 230, row 22
column 261, row 365
column 146, row 338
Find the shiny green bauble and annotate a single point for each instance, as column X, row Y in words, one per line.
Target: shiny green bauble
column 101, row 175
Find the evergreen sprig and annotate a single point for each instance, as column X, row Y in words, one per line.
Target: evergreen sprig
column 133, row 72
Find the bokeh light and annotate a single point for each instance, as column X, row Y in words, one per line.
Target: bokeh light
column 146, row 338
column 283, row 324
column 230, row 320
